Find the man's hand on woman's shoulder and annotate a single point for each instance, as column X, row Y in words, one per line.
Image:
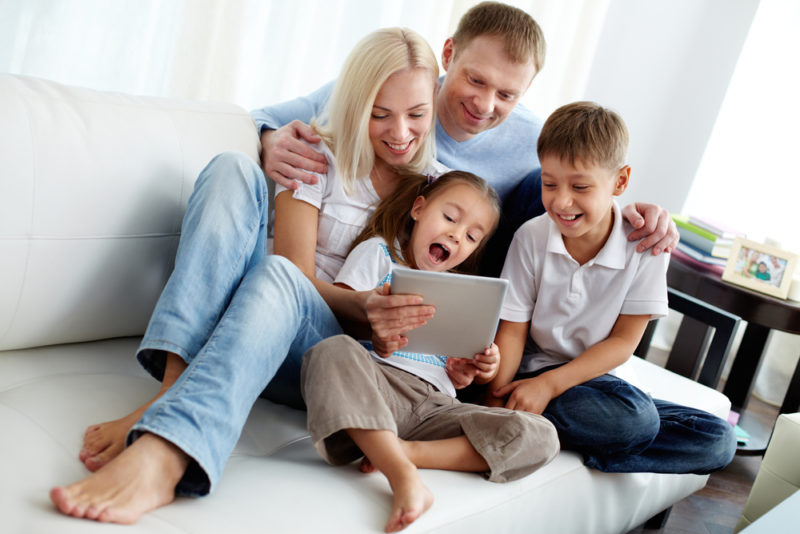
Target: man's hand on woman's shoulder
column 285, row 158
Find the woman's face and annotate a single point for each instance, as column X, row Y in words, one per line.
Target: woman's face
column 401, row 116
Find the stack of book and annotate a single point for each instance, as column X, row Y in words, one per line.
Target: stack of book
column 703, row 244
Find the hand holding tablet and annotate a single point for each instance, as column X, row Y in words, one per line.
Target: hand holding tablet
column 467, row 310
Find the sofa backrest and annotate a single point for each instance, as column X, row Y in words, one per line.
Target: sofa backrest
column 93, row 187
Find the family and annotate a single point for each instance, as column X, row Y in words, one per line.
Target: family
column 393, row 164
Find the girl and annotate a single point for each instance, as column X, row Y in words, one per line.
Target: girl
column 231, row 320
column 436, row 227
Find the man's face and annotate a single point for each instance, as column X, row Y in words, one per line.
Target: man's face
column 481, row 87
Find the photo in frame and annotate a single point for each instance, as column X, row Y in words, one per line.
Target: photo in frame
column 760, row 267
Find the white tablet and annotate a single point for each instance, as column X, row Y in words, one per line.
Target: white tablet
column 467, row 310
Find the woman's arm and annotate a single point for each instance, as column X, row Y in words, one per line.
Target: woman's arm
column 389, row 316
column 533, row 394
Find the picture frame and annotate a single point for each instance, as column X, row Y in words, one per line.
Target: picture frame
column 760, row 267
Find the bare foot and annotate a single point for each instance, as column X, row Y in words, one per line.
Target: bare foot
column 140, row 479
column 411, row 499
column 104, row 442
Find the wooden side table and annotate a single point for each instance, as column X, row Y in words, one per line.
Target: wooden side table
column 762, row 313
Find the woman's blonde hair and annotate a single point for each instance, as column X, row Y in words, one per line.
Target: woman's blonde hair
column 345, row 122
column 392, row 218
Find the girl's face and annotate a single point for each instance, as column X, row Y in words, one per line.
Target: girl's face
column 401, row 116
column 449, row 227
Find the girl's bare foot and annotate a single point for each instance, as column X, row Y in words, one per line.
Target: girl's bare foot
column 411, row 499
column 104, row 442
column 140, row 479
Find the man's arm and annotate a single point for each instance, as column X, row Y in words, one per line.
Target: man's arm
column 654, row 226
column 281, row 127
column 533, row 394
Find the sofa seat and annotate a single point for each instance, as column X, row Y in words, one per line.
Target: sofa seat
column 275, row 480
column 92, row 189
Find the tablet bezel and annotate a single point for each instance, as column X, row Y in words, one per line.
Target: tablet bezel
column 467, row 310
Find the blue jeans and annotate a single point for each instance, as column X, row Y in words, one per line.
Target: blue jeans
column 239, row 318
column 620, row 429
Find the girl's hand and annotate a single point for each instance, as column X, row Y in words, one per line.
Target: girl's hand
column 530, row 395
column 391, row 316
column 487, row 363
column 461, row 371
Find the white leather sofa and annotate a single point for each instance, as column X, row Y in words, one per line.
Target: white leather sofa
column 92, row 190
column 778, row 479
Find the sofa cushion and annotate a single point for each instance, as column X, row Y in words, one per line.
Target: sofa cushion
column 275, row 480
column 78, row 169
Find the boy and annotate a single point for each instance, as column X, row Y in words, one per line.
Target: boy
column 584, row 295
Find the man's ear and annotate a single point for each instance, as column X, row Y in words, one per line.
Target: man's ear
column 622, row 179
column 418, row 206
column 448, row 52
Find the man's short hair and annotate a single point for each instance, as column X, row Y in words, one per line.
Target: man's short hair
column 523, row 38
column 585, row 132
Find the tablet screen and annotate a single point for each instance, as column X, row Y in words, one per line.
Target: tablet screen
column 467, row 310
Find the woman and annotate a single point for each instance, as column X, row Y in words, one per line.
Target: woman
column 232, row 320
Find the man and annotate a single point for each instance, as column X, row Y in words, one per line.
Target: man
column 490, row 62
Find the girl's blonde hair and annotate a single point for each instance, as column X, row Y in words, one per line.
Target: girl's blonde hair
column 392, row 218
column 346, row 118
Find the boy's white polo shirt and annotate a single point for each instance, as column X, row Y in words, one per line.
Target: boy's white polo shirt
column 572, row 307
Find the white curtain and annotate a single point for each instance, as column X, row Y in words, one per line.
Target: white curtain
column 256, row 52
column 749, row 176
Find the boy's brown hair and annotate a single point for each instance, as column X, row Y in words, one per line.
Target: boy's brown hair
column 392, row 218
column 523, row 38
column 585, row 132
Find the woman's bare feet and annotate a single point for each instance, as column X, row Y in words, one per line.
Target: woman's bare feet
column 411, row 499
column 137, row 481
column 104, row 442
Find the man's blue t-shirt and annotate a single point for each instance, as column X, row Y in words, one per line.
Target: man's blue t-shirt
column 504, row 156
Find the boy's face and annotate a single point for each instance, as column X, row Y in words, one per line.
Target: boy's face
column 578, row 197
column 481, row 87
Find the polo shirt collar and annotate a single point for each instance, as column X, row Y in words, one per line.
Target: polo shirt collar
column 613, row 253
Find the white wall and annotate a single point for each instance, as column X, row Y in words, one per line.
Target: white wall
column 665, row 67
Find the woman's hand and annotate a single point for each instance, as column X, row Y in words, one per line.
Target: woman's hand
column 654, row 226
column 284, row 157
column 391, row 316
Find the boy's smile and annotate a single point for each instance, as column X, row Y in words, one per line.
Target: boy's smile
column 578, row 198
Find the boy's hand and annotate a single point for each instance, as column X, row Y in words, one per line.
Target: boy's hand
column 654, row 226
column 530, row 394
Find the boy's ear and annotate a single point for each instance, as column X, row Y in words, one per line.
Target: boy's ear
column 418, row 206
column 621, row 180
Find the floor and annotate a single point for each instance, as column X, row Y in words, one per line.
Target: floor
column 717, row 507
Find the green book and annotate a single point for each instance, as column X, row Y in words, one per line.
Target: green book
column 683, row 222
